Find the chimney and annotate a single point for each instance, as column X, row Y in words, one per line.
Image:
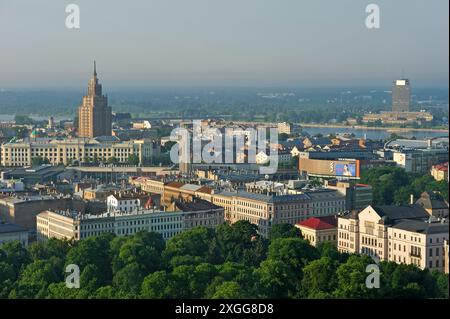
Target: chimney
column 411, row 199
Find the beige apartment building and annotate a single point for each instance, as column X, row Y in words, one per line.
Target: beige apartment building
column 73, row 225
column 403, row 234
column 285, row 128
column 267, row 210
column 419, row 243
column 20, row 153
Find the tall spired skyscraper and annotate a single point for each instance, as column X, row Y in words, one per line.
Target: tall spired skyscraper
column 94, row 115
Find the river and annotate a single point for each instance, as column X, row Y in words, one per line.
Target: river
column 373, row 134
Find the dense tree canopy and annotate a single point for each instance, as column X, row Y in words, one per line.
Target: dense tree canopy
column 232, row 261
column 392, row 185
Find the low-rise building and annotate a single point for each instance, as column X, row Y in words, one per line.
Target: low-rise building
column 131, row 201
column 66, row 151
column 12, row 232
column 76, row 226
column 285, row 128
column 398, row 118
column 22, row 209
column 434, row 204
column 419, row 243
column 440, row 171
column 358, row 196
column 317, row 230
column 403, row 234
column 266, row 210
column 420, row 160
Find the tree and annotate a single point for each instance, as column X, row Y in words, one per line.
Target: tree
column 39, row 160
column 385, row 181
column 294, row 252
column 319, row 278
column 276, row 279
column 441, row 283
column 351, row 278
column 129, row 279
column 89, row 280
column 7, row 275
column 327, row 249
column 112, row 160
column 15, row 255
column 95, row 251
column 59, row 290
column 34, row 279
column 20, row 132
column 154, row 285
column 133, row 159
column 105, row 292
column 135, row 251
column 239, row 239
column 284, row 230
column 194, row 242
column 193, row 265
column 50, row 248
column 229, row 290
column 23, row 120
column 204, row 273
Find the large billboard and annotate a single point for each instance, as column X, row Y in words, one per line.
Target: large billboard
column 330, row 168
column 348, row 170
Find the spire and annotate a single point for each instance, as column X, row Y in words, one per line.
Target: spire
column 95, row 69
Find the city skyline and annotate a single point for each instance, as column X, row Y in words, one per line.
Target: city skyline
column 226, row 44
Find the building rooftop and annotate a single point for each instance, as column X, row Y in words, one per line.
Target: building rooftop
column 174, row 184
column 266, row 198
column 319, row 223
column 11, row 228
column 195, row 205
column 396, row 212
column 422, row 227
column 432, row 200
column 418, row 144
column 441, row 167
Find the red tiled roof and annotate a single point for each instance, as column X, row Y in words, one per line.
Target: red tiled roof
column 205, row 189
column 319, row 223
column 175, row 184
column 441, row 167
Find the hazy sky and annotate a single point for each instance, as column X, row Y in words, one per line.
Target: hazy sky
column 310, row 43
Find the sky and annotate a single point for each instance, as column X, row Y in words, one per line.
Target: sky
column 285, row 43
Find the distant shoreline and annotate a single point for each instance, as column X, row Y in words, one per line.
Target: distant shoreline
column 359, row 127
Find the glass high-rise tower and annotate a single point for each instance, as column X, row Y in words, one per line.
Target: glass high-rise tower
column 400, row 96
